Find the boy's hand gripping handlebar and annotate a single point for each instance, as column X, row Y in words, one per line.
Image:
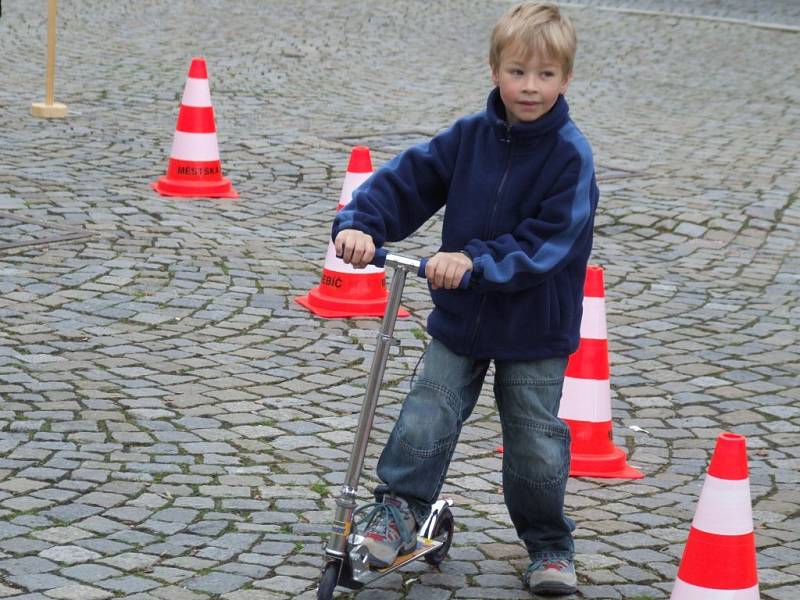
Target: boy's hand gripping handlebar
column 383, row 257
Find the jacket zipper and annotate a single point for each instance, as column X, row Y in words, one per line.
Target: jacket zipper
column 507, row 141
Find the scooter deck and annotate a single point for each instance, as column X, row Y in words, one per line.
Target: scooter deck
column 365, row 576
column 424, row 545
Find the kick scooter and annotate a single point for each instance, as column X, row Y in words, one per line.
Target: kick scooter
column 345, row 562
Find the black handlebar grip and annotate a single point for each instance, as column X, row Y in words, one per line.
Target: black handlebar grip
column 379, row 260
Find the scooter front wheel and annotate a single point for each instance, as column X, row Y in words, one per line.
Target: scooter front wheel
column 327, row 582
column 445, row 525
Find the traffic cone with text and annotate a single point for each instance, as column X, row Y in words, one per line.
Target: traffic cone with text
column 586, row 395
column 719, row 559
column 194, row 168
column 344, row 291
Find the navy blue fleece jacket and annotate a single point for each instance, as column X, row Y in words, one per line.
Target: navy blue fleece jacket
column 520, row 201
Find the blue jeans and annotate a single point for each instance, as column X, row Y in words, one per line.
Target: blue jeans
column 536, row 442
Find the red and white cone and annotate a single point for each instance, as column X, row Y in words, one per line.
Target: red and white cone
column 343, row 290
column 719, row 560
column 194, row 168
column 586, row 395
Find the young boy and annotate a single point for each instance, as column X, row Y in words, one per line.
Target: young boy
column 518, row 186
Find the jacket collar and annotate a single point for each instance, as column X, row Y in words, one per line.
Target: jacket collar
column 522, row 132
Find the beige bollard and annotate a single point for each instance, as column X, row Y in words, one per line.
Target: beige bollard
column 49, row 109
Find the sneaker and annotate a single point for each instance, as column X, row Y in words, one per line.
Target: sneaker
column 390, row 531
column 555, row 577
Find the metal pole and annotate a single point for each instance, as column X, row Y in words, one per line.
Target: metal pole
column 346, row 501
column 49, row 108
column 382, row 347
column 50, row 74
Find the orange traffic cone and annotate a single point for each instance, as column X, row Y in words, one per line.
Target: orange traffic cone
column 719, row 560
column 194, row 168
column 586, row 395
column 343, row 290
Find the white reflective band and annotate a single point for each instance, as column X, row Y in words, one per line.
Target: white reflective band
column 586, row 400
column 195, row 146
column 196, row 93
column 724, row 507
column 333, row 263
column 351, row 182
column 593, row 322
column 687, row 591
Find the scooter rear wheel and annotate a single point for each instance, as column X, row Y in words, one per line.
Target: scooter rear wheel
column 327, row 582
column 444, row 525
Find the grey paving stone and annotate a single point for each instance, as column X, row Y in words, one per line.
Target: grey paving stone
column 22, row 546
column 6, row 590
column 90, row 573
column 131, row 561
column 216, row 582
column 254, row 595
column 27, row 565
column 71, row 513
column 69, row 555
column 8, row 530
column 104, row 546
column 78, row 591
column 174, row 592
column 282, row 583
column 34, row 582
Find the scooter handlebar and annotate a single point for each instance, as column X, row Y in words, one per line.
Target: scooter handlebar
column 381, row 254
column 379, row 260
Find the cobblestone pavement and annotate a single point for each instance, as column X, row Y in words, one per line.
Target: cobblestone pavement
column 776, row 13
column 173, row 426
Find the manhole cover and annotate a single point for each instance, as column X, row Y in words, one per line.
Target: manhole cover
column 18, row 232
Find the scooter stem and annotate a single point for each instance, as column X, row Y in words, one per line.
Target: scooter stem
column 346, row 502
column 383, row 344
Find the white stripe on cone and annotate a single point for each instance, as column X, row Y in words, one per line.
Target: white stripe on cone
column 593, row 322
column 724, row 507
column 195, row 146
column 351, row 182
column 586, row 400
column 333, row 262
column 196, row 93
column 336, row 264
column 687, row 591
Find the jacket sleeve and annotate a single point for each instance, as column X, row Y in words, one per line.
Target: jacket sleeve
column 398, row 198
column 540, row 246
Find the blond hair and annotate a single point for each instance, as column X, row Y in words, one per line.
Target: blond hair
column 537, row 28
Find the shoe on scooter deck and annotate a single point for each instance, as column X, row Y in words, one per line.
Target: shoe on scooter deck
column 424, row 545
column 356, row 576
